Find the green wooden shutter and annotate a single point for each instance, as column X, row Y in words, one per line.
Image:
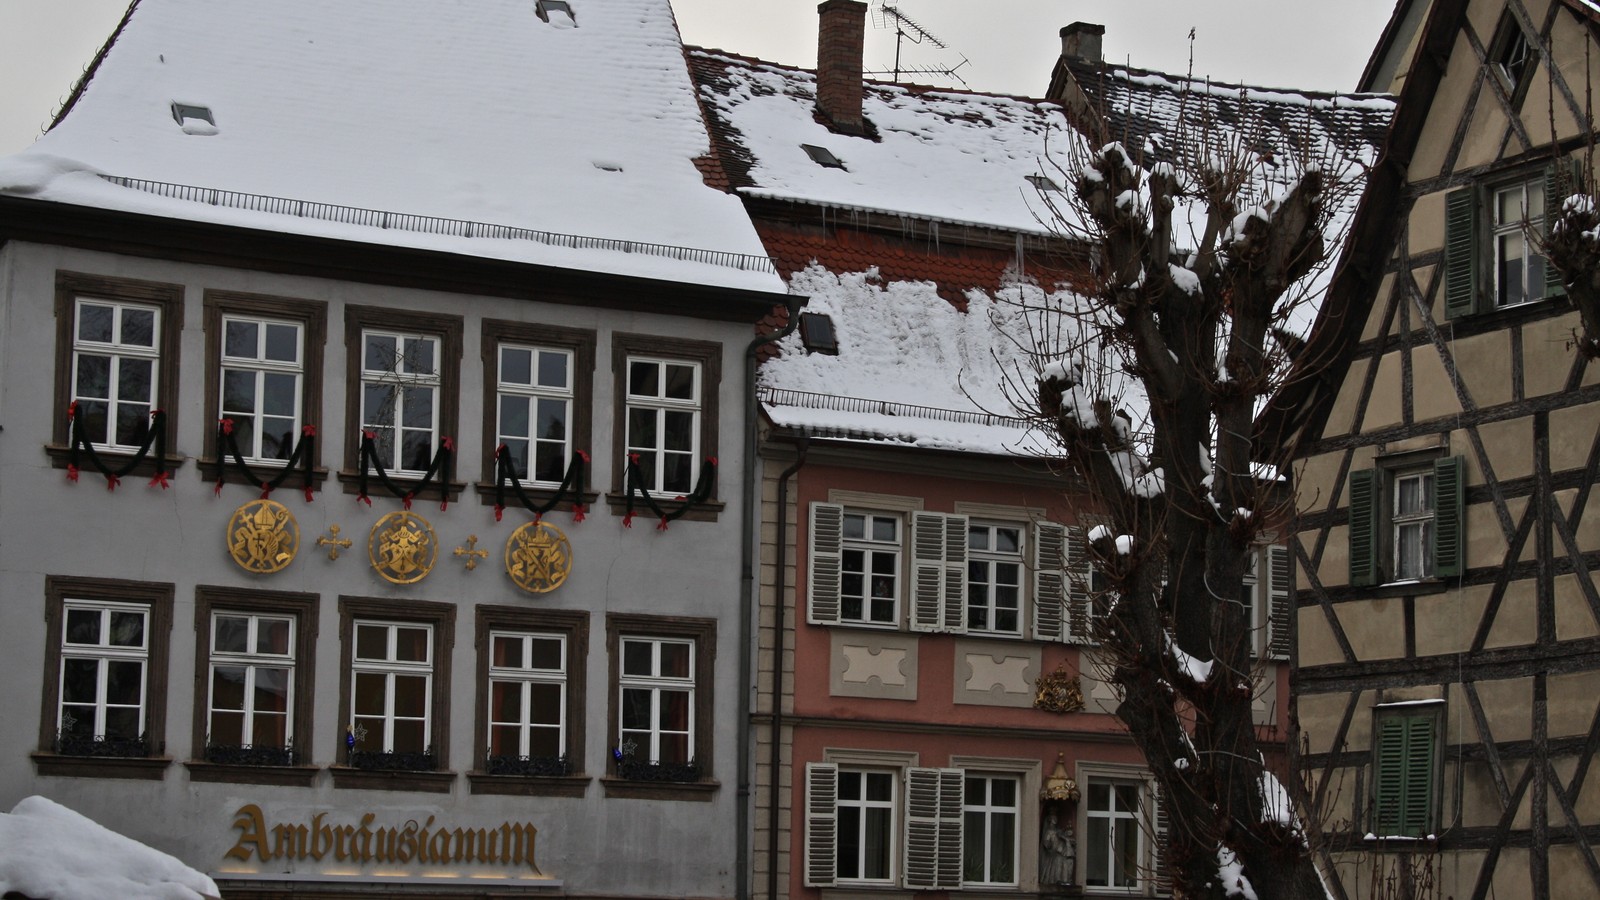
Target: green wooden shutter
column 822, row 824
column 825, row 556
column 1049, row 584
column 1364, row 527
column 1416, row 811
column 1403, row 785
column 1449, row 521
column 1460, row 252
column 1389, row 777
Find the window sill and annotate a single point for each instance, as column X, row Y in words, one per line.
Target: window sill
column 146, row 768
column 350, row 484
column 705, row 511
column 875, row 891
column 529, row 785
column 362, row 779
column 1401, row 844
column 58, row 460
column 622, row 788
column 541, row 495
column 225, row 773
column 209, row 469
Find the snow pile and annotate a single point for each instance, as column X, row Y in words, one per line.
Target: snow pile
column 479, row 111
column 1231, row 873
column 1197, row 670
column 49, row 851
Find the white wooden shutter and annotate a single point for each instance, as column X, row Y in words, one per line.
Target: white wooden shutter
column 1280, row 593
column 1049, row 581
column 822, row 824
column 825, row 555
column 1158, row 834
column 938, row 572
column 933, row 829
column 1076, row 567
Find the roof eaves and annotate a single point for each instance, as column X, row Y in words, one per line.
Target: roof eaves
column 93, row 67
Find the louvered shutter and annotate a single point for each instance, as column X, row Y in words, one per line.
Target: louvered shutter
column 1560, row 182
column 1449, row 523
column 938, row 572
column 1080, row 609
column 1049, row 581
column 1460, row 252
column 1389, row 779
column 1417, row 804
column 1364, row 527
column 933, row 829
column 1280, row 597
column 1158, row 832
column 827, row 544
column 822, row 824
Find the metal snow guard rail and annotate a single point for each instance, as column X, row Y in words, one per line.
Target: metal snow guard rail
column 377, row 218
column 808, row 400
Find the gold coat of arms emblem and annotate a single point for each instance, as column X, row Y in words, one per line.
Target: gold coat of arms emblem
column 403, row 547
column 263, row 537
column 538, row 557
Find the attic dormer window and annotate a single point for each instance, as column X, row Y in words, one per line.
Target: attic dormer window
column 545, row 7
column 1043, row 183
column 194, row 118
column 816, row 332
column 1512, row 57
column 822, row 156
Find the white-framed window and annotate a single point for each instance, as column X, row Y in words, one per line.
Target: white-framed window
column 251, row 687
column 664, row 405
column 1265, row 593
column 1519, row 275
column 994, row 578
column 535, row 397
column 1116, row 851
column 105, row 655
column 990, row 816
column 400, row 386
column 263, row 364
column 1412, row 519
column 391, row 687
column 866, row 810
column 116, row 361
column 656, row 687
column 869, row 572
column 527, row 694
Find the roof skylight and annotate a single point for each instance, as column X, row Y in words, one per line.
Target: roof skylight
column 194, row 118
column 561, row 7
column 818, row 334
column 822, row 156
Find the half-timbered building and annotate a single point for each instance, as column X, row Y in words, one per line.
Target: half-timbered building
column 1447, row 436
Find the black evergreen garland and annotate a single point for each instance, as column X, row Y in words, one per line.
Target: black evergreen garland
column 228, row 449
column 440, row 467
column 505, row 472
column 702, row 492
column 155, row 437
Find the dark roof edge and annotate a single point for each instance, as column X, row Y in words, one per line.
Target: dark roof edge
column 205, row 243
column 715, row 55
column 1386, row 42
column 94, row 66
column 1299, row 411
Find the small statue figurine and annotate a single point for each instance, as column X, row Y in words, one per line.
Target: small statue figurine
column 1058, row 859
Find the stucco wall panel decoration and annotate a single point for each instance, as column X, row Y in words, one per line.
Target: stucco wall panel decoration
column 991, row 676
column 871, row 665
column 263, row 537
column 403, row 547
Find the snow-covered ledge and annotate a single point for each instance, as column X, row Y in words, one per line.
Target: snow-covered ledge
column 44, row 845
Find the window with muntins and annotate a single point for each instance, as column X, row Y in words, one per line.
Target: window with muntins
column 1265, row 593
column 391, row 690
column 663, row 421
column 116, row 362
column 657, row 701
column 251, row 687
column 994, row 579
column 527, row 698
column 1114, row 841
column 535, row 394
column 990, row 816
column 1405, row 770
column 105, row 656
column 400, row 385
column 866, row 816
column 869, row 579
column 263, row 363
column 1492, row 259
column 1407, row 522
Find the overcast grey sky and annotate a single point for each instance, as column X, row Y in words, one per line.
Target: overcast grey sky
column 1009, row 45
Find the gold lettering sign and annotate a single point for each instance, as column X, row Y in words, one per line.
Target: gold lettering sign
column 403, row 547
column 506, row 844
column 538, row 557
column 263, row 537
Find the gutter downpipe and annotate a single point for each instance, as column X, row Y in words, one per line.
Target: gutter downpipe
column 749, row 588
column 778, row 626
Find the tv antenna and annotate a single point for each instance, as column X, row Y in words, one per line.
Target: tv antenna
column 887, row 15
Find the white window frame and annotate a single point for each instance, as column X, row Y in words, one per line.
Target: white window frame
column 260, row 368
column 871, row 551
column 523, row 676
column 533, row 394
column 115, row 351
column 1504, row 231
column 1143, row 874
column 988, row 811
column 990, row 560
column 1420, row 519
column 103, row 653
column 252, row 660
column 395, row 381
column 391, row 668
column 660, row 405
column 892, row 840
column 656, row 684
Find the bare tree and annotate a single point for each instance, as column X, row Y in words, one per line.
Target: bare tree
column 1206, row 272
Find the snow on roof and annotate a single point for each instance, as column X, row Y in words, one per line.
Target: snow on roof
column 912, row 369
column 52, row 853
column 479, row 112
column 941, row 155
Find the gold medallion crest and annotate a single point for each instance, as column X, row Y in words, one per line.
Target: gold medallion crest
column 538, row 557
column 403, row 547
column 263, row 537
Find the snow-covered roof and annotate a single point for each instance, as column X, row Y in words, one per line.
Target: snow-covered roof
column 52, row 853
column 948, row 156
column 912, row 370
column 410, row 123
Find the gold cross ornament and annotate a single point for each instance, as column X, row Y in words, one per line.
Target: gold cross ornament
column 333, row 542
column 472, row 554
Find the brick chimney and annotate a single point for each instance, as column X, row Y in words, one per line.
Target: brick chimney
column 841, row 36
column 1080, row 41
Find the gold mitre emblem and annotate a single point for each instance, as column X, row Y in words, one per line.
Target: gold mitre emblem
column 538, row 557
column 403, row 547
column 263, row 537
